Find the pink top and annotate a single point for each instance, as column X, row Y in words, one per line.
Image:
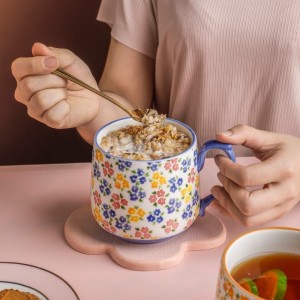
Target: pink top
column 218, row 63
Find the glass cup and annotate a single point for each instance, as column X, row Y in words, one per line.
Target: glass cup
column 250, row 245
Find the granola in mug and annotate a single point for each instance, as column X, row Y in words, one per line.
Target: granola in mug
column 151, row 140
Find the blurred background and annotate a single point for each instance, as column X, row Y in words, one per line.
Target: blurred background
column 66, row 24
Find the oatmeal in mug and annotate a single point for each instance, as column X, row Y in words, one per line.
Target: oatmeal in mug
column 148, row 200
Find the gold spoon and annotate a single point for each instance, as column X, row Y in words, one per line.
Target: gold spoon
column 136, row 114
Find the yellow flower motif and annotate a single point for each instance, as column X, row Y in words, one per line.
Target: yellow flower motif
column 141, row 212
column 156, row 176
column 154, row 184
column 99, row 155
column 183, row 192
column 134, row 219
column 97, row 214
column 162, row 180
column 131, row 210
column 118, row 184
column 120, row 176
column 189, row 188
column 125, row 183
column 197, row 180
column 187, row 198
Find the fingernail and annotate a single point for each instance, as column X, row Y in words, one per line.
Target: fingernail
column 225, row 133
column 50, row 62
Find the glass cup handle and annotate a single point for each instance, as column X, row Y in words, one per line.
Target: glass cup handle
column 210, row 145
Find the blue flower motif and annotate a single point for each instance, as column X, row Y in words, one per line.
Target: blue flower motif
column 188, row 208
column 151, row 218
column 173, row 188
column 140, row 172
column 142, row 180
column 178, row 204
column 105, row 214
column 172, row 180
column 133, row 197
column 128, row 164
column 105, row 183
column 134, row 188
column 184, row 162
column 112, row 213
column 107, row 191
column 184, row 215
column 185, row 168
column 121, row 165
column 142, row 194
column 119, row 225
column 122, row 219
column 190, row 214
column 127, row 227
column 101, row 188
column 171, row 209
column 156, row 212
column 179, row 181
column 172, row 201
column 105, row 206
column 160, row 219
column 133, row 178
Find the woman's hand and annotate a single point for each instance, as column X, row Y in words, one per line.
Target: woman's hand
column 278, row 174
column 50, row 99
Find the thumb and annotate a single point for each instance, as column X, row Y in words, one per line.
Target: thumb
column 64, row 57
column 249, row 137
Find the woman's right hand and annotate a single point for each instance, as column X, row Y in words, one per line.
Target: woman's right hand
column 50, row 99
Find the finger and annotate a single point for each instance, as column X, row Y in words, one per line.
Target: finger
column 30, row 85
column 45, row 60
column 249, row 137
column 25, row 66
column 44, row 100
column 223, row 200
column 58, row 116
column 254, row 220
column 260, row 173
column 257, row 201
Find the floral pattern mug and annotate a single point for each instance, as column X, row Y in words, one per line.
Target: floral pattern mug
column 146, row 201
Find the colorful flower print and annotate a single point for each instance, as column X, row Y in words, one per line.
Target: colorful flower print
column 99, row 156
column 143, row 233
column 123, row 165
column 158, row 180
column 155, row 217
column 118, row 201
column 158, row 197
column 135, row 214
column 171, row 225
column 97, row 198
column 173, row 205
column 153, row 166
column 172, row 164
column 104, row 187
column 96, row 170
column 121, row 181
column 107, row 169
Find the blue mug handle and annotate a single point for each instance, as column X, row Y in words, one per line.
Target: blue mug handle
column 211, row 145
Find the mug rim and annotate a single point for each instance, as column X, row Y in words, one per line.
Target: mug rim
column 242, row 235
column 194, row 139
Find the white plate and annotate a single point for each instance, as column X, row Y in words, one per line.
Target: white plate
column 28, row 278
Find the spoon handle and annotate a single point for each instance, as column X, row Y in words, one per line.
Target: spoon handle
column 68, row 76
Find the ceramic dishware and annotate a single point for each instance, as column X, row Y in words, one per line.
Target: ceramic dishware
column 146, row 201
column 255, row 243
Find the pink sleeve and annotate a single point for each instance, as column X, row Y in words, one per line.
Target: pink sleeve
column 132, row 23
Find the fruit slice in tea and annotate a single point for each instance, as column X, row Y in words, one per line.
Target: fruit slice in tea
column 249, row 285
column 272, row 284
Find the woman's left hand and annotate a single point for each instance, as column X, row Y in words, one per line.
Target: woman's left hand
column 278, row 174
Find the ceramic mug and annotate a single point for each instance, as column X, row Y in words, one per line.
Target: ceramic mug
column 148, row 201
column 249, row 245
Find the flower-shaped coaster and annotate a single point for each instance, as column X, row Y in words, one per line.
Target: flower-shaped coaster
column 84, row 235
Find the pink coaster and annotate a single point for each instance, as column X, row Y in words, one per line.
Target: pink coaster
column 84, row 235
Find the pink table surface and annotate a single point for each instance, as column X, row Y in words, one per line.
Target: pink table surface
column 35, row 202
